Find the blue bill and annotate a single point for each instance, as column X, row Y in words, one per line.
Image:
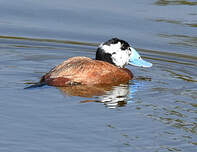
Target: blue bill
column 136, row 60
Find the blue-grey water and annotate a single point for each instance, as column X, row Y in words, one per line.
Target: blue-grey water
column 155, row 112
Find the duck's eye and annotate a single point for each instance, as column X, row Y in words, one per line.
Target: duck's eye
column 123, row 47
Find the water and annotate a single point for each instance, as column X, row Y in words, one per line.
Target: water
column 155, row 112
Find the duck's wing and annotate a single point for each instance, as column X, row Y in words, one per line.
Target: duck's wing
column 83, row 70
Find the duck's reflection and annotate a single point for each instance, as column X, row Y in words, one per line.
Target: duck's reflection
column 111, row 96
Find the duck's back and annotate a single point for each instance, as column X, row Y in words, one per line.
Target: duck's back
column 83, row 70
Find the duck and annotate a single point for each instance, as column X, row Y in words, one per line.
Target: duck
column 108, row 67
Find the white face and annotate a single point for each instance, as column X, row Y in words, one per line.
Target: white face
column 119, row 57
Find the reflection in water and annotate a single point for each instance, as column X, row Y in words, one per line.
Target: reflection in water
column 118, row 96
column 182, row 75
column 182, row 40
column 175, row 2
column 48, row 40
column 177, row 22
column 111, row 96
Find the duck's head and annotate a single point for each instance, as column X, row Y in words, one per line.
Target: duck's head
column 120, row 53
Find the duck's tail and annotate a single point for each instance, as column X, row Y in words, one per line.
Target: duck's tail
column 41, row 83
column 35, row 85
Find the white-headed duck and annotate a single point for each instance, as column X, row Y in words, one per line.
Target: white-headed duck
column 106, row 69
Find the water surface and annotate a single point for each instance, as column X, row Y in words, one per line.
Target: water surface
column 155, row 112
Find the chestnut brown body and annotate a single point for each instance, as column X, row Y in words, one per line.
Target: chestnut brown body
column 86, row 71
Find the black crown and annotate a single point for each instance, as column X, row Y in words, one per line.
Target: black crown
column 124, row 46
